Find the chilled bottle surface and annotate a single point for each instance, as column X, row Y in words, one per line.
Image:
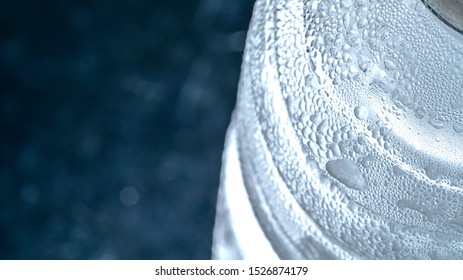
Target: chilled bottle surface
column 347, row 137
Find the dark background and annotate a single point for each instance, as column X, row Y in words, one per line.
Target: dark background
column 112, row 118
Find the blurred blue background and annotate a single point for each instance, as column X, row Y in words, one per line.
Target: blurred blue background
column 112, row 117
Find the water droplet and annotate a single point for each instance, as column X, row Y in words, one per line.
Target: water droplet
column 437, row 121
column 432, row 171
column 416, row 206
column 353, row 206
column 346, row 172
column 420, row 112
column 367, row 161
column 361, row 112
column 458, row 127
column 323, row 127
column 389, row 65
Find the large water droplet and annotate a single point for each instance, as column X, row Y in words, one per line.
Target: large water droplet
column 346, row 172
column 361, row 112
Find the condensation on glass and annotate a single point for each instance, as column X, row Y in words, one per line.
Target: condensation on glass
column 347, row 137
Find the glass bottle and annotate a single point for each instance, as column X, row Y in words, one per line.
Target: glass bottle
column 347, row 137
